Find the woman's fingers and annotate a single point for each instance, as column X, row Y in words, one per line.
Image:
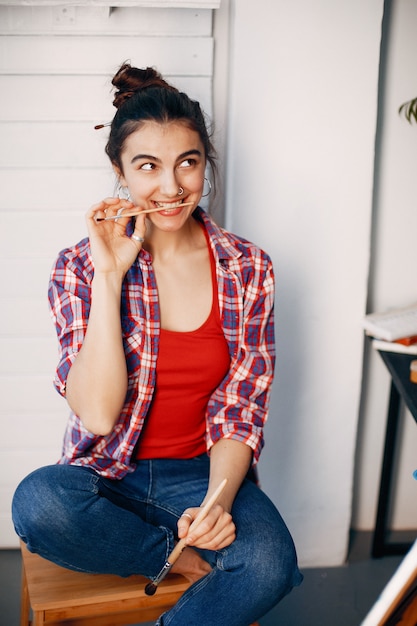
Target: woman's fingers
column 140, row 229
column 109, row 207
column 216, row 531
column 184, row 523
column 113, row 249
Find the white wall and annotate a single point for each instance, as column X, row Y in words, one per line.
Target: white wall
column 392, row 280
column 303, row 106
column 56, row 63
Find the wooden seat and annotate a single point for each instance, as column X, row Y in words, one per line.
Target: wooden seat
column 62, row 597
column 59, row 596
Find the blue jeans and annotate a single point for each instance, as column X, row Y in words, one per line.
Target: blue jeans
column 79, row 520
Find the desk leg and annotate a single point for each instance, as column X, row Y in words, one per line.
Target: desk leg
column 379, row 546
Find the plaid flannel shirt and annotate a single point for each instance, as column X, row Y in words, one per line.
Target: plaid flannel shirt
column 238, row 407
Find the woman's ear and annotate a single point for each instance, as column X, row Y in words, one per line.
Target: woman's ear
column 119, row 175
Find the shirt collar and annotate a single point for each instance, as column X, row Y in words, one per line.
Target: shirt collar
column 222, row 244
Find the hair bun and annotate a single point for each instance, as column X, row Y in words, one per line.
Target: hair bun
column 128, row 80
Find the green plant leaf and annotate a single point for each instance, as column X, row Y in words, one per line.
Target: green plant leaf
column 409, row 110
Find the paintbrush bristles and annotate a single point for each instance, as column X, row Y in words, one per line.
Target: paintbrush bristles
column 150, row 589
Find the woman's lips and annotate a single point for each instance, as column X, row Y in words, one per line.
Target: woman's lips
column 170, row 208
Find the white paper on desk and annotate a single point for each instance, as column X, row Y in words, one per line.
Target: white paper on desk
column 392, row 325
column 403, row 577
column 391, row 346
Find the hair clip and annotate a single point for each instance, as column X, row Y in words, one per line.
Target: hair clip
column 100, row 126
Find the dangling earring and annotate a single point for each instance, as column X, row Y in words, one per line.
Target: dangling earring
column 123, row 193
column 209, row 188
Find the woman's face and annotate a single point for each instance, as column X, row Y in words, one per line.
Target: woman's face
column 158, row 160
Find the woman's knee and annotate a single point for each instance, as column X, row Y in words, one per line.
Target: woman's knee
column 272, row 565
column 265, row 548
column 30, row 501
column 43, row 501
column 275, row 566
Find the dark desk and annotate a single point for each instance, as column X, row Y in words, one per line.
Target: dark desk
column 402, row 389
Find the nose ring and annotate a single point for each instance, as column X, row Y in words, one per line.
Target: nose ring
column 180, row 191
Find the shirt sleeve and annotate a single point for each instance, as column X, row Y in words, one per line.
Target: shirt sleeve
column 69, row 301
column 238, row 409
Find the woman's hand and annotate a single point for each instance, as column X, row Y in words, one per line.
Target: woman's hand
column 112, row 249
column 229, row 459
column 214, row 532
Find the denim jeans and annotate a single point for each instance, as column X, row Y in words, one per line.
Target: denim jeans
column 79, row 520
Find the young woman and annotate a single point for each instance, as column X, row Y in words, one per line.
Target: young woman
column 165, row 327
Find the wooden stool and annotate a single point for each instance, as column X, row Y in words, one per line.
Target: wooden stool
column 62, row 597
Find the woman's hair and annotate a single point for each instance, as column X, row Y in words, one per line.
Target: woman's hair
column 143, row 95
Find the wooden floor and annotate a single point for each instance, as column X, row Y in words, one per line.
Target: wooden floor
column 328, row 596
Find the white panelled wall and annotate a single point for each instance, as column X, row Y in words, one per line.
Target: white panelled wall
column 302, row 130
column 303, row 117
column 56, row 64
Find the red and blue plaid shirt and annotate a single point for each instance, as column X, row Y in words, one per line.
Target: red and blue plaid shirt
column 238, row 407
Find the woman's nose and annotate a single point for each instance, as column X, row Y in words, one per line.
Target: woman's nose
column 169, row 185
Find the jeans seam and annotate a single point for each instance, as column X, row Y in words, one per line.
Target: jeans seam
column 221, row 555
column 95, row 480
column 149, row 492
column 187, row 595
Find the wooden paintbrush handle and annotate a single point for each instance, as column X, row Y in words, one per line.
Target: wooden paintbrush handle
column 203, row 512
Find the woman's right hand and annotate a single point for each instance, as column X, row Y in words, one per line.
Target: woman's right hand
column 215, row 532
column 112, row 249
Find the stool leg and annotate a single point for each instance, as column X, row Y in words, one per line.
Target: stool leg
column 38, row 618
column 24, row 600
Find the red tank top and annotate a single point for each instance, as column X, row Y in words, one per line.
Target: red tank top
column 190, row 367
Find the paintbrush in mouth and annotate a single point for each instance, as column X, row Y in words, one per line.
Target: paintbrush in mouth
column 134, row 213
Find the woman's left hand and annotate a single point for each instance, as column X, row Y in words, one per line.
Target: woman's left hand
column 229, row 459
column 214, row 532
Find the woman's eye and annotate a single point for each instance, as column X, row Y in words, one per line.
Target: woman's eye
column 187, row 163
column 147, row 166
